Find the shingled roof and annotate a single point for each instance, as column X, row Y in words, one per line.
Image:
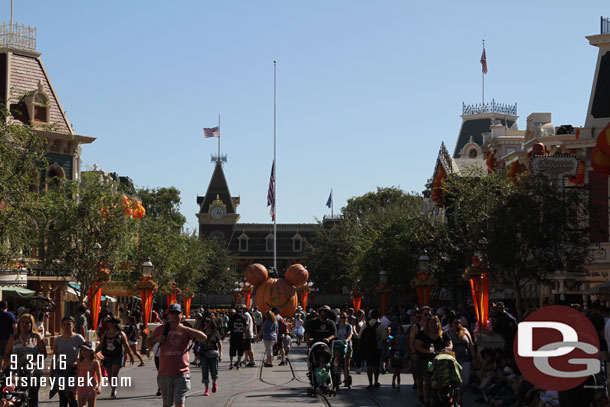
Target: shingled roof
column 218, row 187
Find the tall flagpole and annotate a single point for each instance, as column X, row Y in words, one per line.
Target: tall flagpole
column 274, row 171
column 483, row 78
column 219, row 137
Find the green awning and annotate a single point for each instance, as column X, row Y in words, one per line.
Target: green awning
column 17, row 291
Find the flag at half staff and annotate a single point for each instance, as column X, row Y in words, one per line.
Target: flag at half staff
column 211, row 132
column 484, row 62
column 329, row 202
column 271, row 192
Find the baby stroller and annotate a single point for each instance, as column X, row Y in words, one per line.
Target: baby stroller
column 319, row 370
column 13, row 392
column 445, row 380
column 339, row 351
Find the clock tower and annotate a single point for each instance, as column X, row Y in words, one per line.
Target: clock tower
column 217, row 209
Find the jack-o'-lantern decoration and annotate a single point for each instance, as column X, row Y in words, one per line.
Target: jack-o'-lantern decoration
column 256, row 274
column 272, row 292
column 297, row 275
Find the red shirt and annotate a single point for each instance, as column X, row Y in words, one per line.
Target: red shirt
column 174, row 355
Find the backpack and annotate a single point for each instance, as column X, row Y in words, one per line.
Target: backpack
column 368, row 337
column 282, row 327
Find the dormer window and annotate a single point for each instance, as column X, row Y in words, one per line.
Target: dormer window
column 297, row 243
column 269, row 242
column 243, row 242
column 472, row 153
column 38, row 106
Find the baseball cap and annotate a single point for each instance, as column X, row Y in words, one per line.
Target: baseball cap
column 175, row 307
column 500, row 304
column 87, row 345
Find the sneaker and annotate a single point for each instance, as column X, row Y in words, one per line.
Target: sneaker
column 206, row 393
column 251, row 364
column 369, row 387
column 268, row 364
column 158, row 392
column 377, row 385
column 236, row 364
column 214, row 387
column 230, row 366
column 237, row 367
column 282, row 363
column 113, row 396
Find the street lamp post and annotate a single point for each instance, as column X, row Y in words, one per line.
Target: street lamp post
column 422, row 282
column 237, row 292
column 147, row 288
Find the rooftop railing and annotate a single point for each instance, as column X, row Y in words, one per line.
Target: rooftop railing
column 17, row 36
column 491, row 107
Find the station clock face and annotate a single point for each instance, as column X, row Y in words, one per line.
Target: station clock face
column 217, row 213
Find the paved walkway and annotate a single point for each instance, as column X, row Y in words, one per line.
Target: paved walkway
column 259, row 387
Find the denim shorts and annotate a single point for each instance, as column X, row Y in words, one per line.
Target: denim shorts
column 174, row 388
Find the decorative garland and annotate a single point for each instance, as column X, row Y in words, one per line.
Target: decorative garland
column 147, row 283
column 477, row 268
column 355, row 294
column 171, row 288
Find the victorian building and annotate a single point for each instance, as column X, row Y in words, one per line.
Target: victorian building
column 28, row 93
column 249, row 242
column 490, row 140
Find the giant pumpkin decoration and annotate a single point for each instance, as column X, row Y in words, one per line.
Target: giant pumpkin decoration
column 297, row 275
column 256, row 274
column 273, row 292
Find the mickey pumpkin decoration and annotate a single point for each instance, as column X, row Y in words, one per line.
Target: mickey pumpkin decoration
column 276, row 292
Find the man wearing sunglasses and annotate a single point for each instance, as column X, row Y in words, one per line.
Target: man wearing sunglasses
column 174, row 378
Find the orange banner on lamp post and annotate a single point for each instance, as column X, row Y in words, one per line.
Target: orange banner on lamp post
column 186, row 302
column 477, row 274
column 147, row 288
column 95, row 297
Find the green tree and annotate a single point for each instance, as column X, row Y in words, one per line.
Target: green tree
column 85, row 226
column 526, row 229
column 21, row 161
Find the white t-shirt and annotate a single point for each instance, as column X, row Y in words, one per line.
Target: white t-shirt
column 250, row 331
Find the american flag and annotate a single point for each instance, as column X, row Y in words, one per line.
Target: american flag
column 212, row 132
column 271, row 192
column 484, row 62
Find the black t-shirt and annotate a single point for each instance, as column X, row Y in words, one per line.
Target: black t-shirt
column 319, row 330
column 439, row 343
column 211, row 342
column 7, row 319
column 237, row 326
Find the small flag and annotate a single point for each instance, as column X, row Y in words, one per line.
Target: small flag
column 329, row 202
column 484, row 62
column 213, row 132
column 271, row 192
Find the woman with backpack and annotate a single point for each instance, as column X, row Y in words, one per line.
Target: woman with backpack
column 210, row 354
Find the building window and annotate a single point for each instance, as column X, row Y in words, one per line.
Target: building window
column 297, row 243
column 41, row 108
column 269, row 242
column 472, row 153
column 217, row 235
column 54, row 175
column 243, row 242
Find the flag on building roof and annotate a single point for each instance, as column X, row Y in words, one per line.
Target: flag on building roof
column 329, row 202
column 271, row 192
column 484, row 62
column 211, row 132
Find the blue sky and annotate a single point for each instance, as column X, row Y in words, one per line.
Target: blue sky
column 367, row 90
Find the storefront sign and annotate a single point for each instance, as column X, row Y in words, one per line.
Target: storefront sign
column 10, row 277
column 554, row 166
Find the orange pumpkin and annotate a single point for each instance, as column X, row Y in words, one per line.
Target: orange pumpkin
column 277, row 292
column 256, row 274
column 296, row 275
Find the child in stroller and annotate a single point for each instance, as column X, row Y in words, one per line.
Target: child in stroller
column 319, row 370
column 14, row 394
column 445, row 379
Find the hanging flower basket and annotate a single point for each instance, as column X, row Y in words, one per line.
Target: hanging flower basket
column 355, row 294
column 146, row 283
column 187, row 293
column 171, row 288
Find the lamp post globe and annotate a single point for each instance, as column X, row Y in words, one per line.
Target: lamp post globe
column 383, row 277
column 147, row 268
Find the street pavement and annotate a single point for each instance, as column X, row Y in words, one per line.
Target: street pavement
column 259, row 386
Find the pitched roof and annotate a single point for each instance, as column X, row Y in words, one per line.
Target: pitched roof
column 218, row 187
column 26, row 74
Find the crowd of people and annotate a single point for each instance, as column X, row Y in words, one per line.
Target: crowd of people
column 406, row 340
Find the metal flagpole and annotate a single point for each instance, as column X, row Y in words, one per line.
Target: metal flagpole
column 274, row 172
column 483, row 78
column 219, row 137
